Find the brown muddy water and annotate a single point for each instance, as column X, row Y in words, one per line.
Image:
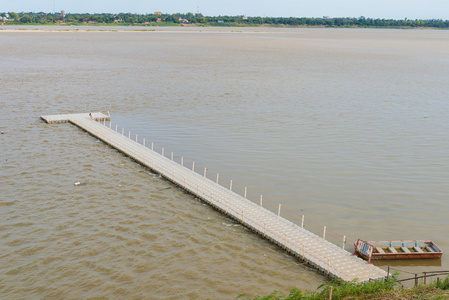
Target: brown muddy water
column 348, row 127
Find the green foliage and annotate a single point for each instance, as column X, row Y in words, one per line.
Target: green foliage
column 199, row 19
column 340, row 290
column 443, row 285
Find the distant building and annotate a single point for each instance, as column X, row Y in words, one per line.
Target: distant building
column 159, row 20
column 157, row 13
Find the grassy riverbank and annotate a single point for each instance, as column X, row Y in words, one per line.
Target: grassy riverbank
column 377, row 290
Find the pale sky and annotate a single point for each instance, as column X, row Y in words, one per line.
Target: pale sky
column 388, row 9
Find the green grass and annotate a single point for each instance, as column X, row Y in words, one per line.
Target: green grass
column 388, row 289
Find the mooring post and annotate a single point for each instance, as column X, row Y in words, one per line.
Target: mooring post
column 245, row 192
column 302, row 221
column 217, row 178
column 205, row 171
column 162, row 151
column 344, row 242
column 230, row 186
column 324, row 233
column 182, row 161
column 193, row 166
column 260, row 200
column 264, row 229
column 279, row 210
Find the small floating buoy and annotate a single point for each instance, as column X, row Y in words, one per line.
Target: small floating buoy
column 386, row 100
column 77, row 183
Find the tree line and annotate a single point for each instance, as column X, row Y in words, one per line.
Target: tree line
column 199, row 19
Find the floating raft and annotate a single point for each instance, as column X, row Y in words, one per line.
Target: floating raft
column 326, row 257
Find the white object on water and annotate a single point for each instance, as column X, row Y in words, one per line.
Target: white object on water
column 77, row 183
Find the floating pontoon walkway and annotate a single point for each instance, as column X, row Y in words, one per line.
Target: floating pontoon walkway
column 328, row 258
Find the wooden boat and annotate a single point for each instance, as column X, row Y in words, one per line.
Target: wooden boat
column 407, row 249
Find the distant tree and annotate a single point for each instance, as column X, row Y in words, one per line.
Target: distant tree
column 25, row 19
column 14, row 15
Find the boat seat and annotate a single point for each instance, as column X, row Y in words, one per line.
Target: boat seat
column 405, row 249
column 417, row 249
column 392, row 250
column 380, row 250
column 430, row 249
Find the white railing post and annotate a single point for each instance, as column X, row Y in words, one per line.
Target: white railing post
column 193, row 166
column 230, row 186
column 260, row 200
column 302, row 221
column 204, row 171
column 182, row 161
column 279, row 210
column 162, row 151
column 324, row 233
column 152, row 144
column 217, row 178
column 245, row 192
column 344, row 242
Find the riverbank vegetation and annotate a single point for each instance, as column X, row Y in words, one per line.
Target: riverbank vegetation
column 376, row 290
column 190, row 19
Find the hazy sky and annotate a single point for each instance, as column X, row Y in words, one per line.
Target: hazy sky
column 394, row 9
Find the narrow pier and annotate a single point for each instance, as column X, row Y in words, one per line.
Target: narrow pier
column 326, row 257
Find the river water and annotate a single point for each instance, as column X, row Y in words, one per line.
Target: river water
column 348, row 127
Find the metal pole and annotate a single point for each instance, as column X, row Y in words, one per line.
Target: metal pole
column 324, row 233
column 302, row 221
column 245, row 192
column 230, row 186
column 344, row 242
column 260, row 200
column 279, row 210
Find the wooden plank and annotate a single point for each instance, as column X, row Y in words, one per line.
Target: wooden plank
column 417, row 249
column 325, row 256
column 380, row 250
column 392, row 250
column 405, row 249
